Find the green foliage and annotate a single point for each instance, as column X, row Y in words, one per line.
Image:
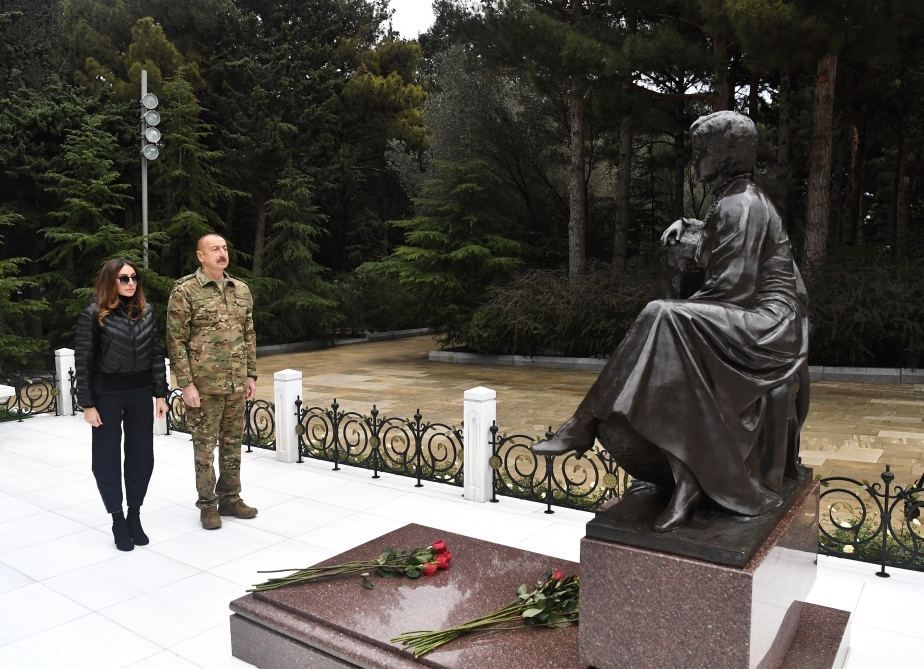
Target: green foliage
column 15, row 307
column 374, row 302
column 185, row 179
column 296, row 302
column 456, row 247
column 542, row 312
column 88, row 197
column 867, row 311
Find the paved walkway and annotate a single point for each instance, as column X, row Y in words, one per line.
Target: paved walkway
column 68, row 598
column 853, row 429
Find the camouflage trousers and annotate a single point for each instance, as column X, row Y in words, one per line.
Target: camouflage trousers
column 218, row 422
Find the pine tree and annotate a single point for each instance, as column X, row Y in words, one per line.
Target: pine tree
column 16, row 349
column 185, row 178
column 88, row 198
column 295, row 301
column 456, row 247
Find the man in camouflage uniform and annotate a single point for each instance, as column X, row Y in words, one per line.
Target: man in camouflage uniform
column 212, row 347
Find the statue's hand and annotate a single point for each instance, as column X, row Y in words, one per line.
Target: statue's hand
column 674, row 231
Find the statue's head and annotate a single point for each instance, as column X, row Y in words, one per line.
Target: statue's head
column 724, row 145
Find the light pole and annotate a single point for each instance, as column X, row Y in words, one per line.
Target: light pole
column 150, row 136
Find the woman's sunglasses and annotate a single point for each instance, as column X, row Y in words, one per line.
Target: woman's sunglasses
column 125, row 278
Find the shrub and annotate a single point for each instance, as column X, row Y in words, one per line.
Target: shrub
column 543, row 312
column 866, row 313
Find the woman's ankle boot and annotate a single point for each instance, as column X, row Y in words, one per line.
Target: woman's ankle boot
column 139, row 538
column 123, row 538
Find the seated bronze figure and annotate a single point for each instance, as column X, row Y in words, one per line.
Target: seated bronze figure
column 708, row 390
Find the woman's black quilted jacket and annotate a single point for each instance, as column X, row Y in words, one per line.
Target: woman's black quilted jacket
column 120, row 346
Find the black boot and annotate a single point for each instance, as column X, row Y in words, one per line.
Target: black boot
column 134, row 527
column 123, row 538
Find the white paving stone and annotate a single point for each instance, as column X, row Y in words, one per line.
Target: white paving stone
column 64, row 587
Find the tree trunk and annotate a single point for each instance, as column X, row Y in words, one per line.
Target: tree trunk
column 577, row 194
column 851, row 208
column 259, row 241
column 680, row 162
column 623, row 195
column 902, row 210
column 754, row 96
column 838, row 182
column 784, row 138
column 720, row 72
column 819, row 182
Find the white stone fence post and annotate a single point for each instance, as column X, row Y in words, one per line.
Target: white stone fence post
column 480, row 412
column 64, row 365
column 287, row 389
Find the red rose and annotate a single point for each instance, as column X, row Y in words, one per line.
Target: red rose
column 558, row 575
column 442, row 561
column 448, row 556
column 430, row 568
column 439, row 546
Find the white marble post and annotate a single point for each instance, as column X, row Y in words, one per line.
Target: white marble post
column 480, row 414
column 160, row 424
column 287, row 389
column 64, row 363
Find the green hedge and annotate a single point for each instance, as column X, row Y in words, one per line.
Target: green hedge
column 863, row 314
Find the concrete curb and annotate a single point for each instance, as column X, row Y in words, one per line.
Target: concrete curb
column 817, row 373
column 317, row 344
column 544, row 361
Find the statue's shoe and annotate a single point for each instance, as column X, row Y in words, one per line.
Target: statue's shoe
column 678, row 511
column 577, row 434
column 553, row 446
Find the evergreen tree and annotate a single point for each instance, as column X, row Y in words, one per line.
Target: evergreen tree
column 296, row 302
column 16, row 349
column 456, row 247
column 88, row 198
column 185, row 178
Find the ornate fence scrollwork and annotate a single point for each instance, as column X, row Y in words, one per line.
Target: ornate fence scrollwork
column 259, row 421
column 872, row 522
column 176, row 412
column 407, row 447
column 577, row 482
column 260, row 425
column 33, row 394
column 72, row 379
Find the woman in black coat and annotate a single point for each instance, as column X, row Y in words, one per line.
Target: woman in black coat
column 120, row 367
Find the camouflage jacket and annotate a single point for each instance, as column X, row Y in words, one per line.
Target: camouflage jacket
column 210, row 335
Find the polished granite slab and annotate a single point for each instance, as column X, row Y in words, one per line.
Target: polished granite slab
column 642, row 607
column 337, row 623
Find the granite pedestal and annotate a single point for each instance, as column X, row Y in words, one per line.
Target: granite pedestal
column 642, row 607
column 336, row 623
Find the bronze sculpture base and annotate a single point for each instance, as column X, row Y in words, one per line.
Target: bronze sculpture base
column 711, row 534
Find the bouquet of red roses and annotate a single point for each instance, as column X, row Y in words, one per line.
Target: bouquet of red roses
column 412, row 563
column 554, row 602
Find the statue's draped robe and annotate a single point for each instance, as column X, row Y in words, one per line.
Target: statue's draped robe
column 691, row 375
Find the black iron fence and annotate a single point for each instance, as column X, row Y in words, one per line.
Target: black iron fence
column 75, row 405
column 569, row 480
column 405, row 446
column 259, row 421
column 33, row 394
column 873, row 522
column 876, row 522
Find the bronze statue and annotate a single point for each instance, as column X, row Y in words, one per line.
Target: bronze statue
column 707, row 391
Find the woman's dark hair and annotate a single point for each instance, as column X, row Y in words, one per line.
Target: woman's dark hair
column 107, row 296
